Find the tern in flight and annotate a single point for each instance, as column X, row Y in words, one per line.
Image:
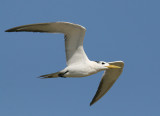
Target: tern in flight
column 78, row 64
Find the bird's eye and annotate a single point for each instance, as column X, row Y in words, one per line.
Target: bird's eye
column 103, row 63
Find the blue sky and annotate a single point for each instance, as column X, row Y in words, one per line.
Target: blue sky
column 125, row 30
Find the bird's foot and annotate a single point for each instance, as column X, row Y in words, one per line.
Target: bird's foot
column 62, row 74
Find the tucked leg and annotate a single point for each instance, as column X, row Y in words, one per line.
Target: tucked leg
column 62, row 74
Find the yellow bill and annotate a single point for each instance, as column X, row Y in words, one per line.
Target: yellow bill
column 113, row 66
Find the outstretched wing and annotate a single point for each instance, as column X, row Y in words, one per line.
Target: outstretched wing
column 108, row 79
column 74, row 36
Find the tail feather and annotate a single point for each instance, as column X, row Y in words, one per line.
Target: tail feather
column 52, row 75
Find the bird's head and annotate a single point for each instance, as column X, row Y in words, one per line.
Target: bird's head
column 104, row 65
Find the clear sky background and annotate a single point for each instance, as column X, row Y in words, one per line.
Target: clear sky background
column 127, row 30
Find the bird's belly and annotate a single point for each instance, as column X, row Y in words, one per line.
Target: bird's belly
column 76, row 74
column 80, row 72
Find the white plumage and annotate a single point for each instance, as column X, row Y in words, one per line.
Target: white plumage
column 78, row 64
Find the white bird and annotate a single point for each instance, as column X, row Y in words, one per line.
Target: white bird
column 78, row 64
